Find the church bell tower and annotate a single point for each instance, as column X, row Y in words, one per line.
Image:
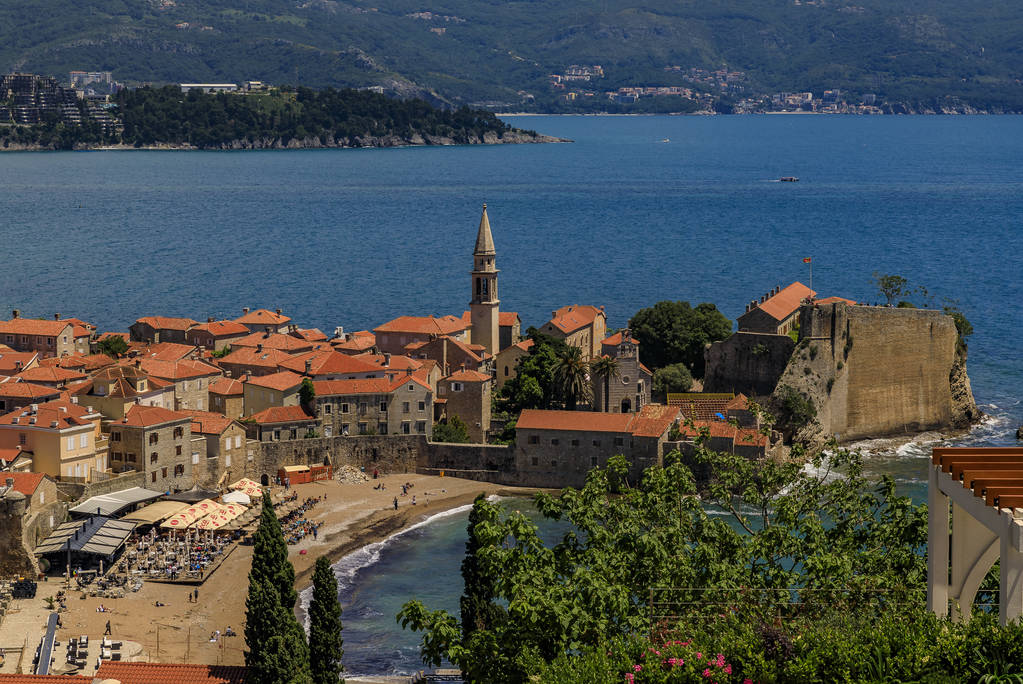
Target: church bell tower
column 484, row 307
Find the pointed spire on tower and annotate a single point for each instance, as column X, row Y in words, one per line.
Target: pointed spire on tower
column 484, row 240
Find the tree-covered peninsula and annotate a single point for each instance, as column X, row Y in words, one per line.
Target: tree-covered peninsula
column 280, row 118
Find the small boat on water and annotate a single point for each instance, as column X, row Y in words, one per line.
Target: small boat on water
column 788, row 179
column 666, row 140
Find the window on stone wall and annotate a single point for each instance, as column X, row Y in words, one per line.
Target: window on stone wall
column 154, row 457
column 619, row 441
column 327, row 408
column 421, row 427
column 406, row 428
column 593, row 461
column 536, row 460
column 179, row 432
column 596, row 442
column 383, row 407
column 575, row 442
column 154, row 476
column 154, row 438
column 179, row 470
column 405, row 407
column 177, row 450
column 554, row 463
column 381, row 428
column 422, row 406
column 534, row 439
column 164, row 471
column 555, row 442
column 115, row 436
column 344, row 408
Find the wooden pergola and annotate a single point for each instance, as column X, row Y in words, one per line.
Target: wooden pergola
column 982, row 488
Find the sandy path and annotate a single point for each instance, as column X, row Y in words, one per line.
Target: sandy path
column 353, row 515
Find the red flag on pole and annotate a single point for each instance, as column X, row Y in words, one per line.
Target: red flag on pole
column 806, row 260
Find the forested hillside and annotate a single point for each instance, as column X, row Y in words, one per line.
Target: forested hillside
column 500, row 51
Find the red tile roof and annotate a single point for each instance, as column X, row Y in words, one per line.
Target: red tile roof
column 51, row 374
column 360, row 340
column 167, row 322
column 524, row 345
column 168, row 351
column 227, row 386
column 784, row 304
column 718, row 428
column 504, row 318
column 739, row 403
column 262, row 317
column 34, row 326
column 10, row 360
column 329, row 362
column 568, row 319
column 169, row 673
column 616, row 340
column 207, row 423
column 149, row 416
column 103, row 336
column 274, row 340
column 581, row 421
column 27, row 390
column 309, row 334
column 699, row 405
column 10, row 455
column 397, row 361
column 177, row 370
column 221, row 328
column 78, row 361
column 327, row 388
column 282, row 381
column 653, row 420
column 468, row 376
column 424, row 325
column 835, row 300
column 26, row 483
column 281, row 414
column 60, row 411
column 248, row 356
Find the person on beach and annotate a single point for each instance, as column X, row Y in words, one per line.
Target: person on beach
column 107, row 632
column 413, row 499
column 395, row 503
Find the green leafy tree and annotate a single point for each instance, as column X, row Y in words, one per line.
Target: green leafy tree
column 307, row 394
column 572, row 378
column 673, row 378
column 963, row 326
column 891, row 287
column 270, row 555
column 534, row 384
column 478, row 609
column 326, row 647
column 674, row 332
column 607, row 369
column 454, row 431
column 113, row 346
column 221, row 353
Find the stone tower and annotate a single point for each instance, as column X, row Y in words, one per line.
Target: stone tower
column 484, row 307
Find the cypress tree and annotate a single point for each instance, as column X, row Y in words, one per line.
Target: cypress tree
column 270, row 556
column 325, row 643
column 478, row 609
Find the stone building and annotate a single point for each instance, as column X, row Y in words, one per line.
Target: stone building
column 48, row 338
column 277, row 389
column 401, row 404
column 227, row 396
column 191, row 380
column 268, row 339
column 630, row 391
column 64, row 438
column 158, row 442
column 115, row 390
column 393, row 336
column 15, row 395
column 582, row 327
column 254, row 361
column 281, row 423
column 215, row 335
column 777, row 311
column 484, row 308
column 357, row 342
column 225, row 452
column 153, row 329
column 327, row 364
column 508, row 360
column 14, row 362
column 451, row 354
column 559, row 448
column 467, row 394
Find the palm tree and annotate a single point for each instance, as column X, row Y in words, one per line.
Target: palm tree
column 571, row 377
column 607, row 368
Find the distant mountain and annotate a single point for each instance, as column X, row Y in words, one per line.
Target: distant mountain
column 501, row 52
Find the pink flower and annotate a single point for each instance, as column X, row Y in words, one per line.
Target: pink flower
column 706, row 673
column 728, row 669
column 629, row 678
column 699, row 655
column 747, row 681
column 637, row 668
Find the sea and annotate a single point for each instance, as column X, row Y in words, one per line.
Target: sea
column 633, row 211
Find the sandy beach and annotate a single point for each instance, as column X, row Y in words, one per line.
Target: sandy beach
column 352, row 516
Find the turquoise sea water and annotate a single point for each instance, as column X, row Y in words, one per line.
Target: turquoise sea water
column 619, row 218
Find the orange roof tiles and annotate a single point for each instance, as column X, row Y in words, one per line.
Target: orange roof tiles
column 653, row 420
column 11, row 455
column 262, row 317
column 739, row 403
column 103, row 336
column 360, row 340
column 167, row 351
column 309, row 334
column 329, row 362
column 248, row 356
column 273, row 340
column 42, row 374
column 148, row 416
column 12, row 362
column 616, row 340
column 700, row 406
column 784, row 304
column 62, row 412
column 26, row 483
column 835, row 300
column 568, row 319
column 424, row 325
column 227, row 386
column 718, row 428
column 78, row 361
column 504, row 318
column 169, row 673
column 207, row 423
column 167, row 322
column 396, row 362
column 33, row 326
column 582, row 421
column 27, row 390
column 468, row 376
column 524, row 345
column 281, row 414
column 282, row 381
column 326, row 388
column 221, row 328
column 177, row 370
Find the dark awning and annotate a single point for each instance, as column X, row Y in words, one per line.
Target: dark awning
column 97, row 535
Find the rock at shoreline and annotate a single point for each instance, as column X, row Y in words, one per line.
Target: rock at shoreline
column 1019, row 432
